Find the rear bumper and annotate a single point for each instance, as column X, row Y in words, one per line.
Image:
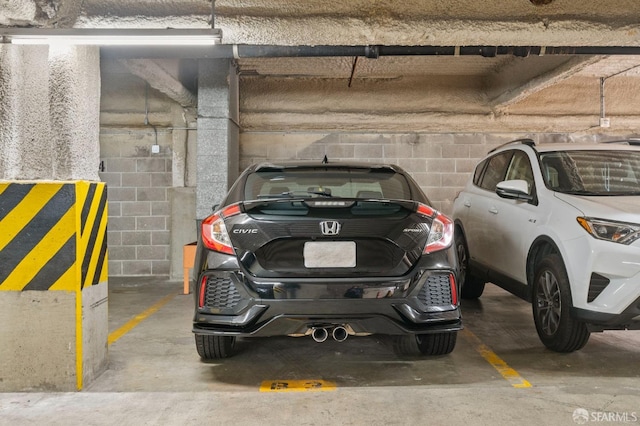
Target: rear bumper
column 364, row 317
column 232, row 304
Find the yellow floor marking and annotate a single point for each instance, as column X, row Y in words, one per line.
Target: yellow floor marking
column 508, row 373
column 296, row 386
column 137, row 319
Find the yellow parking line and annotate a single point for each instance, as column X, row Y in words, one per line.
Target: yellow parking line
column 137, row 319
column 296, row 386
column 508, row 373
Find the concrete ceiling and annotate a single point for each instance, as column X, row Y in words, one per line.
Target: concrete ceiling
column 399, row 92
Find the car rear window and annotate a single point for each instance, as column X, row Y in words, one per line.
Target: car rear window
column 326, row 183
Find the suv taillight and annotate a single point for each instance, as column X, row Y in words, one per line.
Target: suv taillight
column 441, row 232
column 214, row 231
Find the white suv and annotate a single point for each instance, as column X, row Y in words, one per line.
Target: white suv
column 559, row 226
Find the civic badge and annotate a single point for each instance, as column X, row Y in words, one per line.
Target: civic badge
column 330, row 227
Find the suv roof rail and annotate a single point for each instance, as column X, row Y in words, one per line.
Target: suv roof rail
column 633, row 142
column 524, row 141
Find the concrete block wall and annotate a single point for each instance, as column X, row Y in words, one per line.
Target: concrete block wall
column 440, row 163
column 138, row 183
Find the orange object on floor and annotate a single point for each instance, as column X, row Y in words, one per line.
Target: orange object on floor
column 188, row 258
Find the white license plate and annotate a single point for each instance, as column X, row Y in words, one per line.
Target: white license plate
column 330, row 254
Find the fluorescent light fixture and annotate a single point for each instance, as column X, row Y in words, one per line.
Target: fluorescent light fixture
column 112, row 37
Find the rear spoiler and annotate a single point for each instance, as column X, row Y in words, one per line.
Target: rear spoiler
column 322, row 203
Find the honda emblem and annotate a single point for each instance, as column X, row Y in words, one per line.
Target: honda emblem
column 330, row 227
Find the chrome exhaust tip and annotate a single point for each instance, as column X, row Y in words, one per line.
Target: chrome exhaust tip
column 340, row 334
column 319, row 334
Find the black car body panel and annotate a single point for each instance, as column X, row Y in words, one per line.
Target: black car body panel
column 304, row 258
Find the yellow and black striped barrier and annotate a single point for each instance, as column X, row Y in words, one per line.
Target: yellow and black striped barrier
column 53, row 239
column 52, row 235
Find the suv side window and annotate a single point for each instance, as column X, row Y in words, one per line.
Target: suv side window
column 496, row 170
column 477, row 175
column 520, row 168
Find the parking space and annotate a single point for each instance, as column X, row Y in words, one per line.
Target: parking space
column 156, row 377
column 159, row 352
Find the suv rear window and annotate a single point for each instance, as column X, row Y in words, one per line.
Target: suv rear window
column 327, row 182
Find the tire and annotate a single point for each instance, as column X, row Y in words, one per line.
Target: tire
column 552, row 305
column 215, row 347
column 426, row 344
column 472, row 287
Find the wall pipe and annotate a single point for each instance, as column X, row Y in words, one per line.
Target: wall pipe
column 237, row 51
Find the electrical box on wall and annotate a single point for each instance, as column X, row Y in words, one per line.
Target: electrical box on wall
column 155, row 149
column 605, row 122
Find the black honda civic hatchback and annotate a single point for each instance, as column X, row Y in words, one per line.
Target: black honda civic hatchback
column 326, row 250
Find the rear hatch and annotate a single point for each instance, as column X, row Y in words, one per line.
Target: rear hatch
column 328, row 237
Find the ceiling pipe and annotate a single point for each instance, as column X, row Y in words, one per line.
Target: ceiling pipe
column 238, row 51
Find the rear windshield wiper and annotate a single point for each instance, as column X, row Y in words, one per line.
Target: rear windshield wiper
column 295, row 194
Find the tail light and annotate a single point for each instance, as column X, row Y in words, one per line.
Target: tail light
column 441, row 232
column 214, row 231
column 454, row 290
column 203, row 291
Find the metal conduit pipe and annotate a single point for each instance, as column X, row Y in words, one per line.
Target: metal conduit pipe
column 237, row 51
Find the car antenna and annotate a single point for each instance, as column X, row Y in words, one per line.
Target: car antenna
column 325, row 160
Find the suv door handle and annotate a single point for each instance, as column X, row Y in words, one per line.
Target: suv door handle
column 493, row 210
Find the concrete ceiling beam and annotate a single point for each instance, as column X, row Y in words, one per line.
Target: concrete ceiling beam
column 519, row 79
column 161, row 79
column 433, row 122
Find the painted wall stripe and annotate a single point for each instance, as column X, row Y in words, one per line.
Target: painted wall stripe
column 100, row 270
column 50, row 228
column 86, row 206
column 56, row 267
column 11, row 196
column 98, row 207
column 23, row 213
column 60, row 241
column 79, row 347
column 33, row 234
column 62, row 283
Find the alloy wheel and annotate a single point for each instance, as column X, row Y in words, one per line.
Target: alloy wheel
column 549, row 303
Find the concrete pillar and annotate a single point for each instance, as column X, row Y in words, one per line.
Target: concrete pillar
column 53, row 220
column 182, row 194
column 218, row 133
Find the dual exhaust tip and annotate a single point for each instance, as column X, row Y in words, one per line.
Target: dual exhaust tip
column 321, row 334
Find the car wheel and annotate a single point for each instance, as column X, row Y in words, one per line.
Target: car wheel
column 472, row 287
column 437, row 343
column 426, row 344
column 552, row 308
column 215, row 347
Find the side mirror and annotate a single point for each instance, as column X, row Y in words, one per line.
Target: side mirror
column 516, row 189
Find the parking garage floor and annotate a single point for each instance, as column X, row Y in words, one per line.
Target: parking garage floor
column 499, row 374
